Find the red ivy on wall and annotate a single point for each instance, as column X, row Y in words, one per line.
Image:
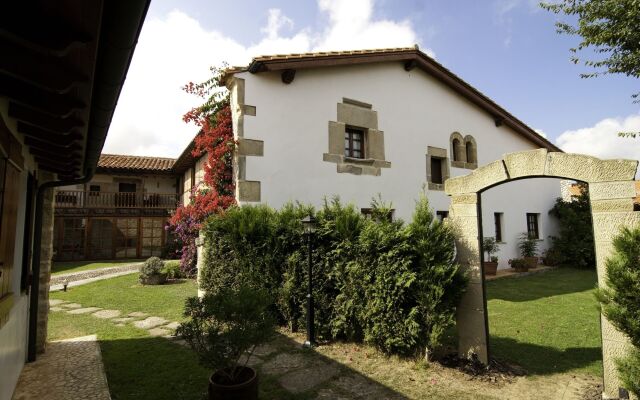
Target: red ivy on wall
column 216, row 192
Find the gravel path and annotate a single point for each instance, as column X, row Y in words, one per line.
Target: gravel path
column 93, row 273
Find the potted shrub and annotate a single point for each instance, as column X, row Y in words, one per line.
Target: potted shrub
column 490, row 246
column 224, row 329
column 519, row 264
column 528, row 247
column 152, row 272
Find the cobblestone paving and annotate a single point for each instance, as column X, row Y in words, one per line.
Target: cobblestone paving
column 70, row 369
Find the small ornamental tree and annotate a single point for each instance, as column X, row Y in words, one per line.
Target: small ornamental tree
column 620, row 301
column 215, row 140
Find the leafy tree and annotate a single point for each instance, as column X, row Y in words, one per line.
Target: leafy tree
column 608, row 26
column 620, row 301
column 574, row 246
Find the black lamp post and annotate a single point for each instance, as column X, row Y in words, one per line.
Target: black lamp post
column 309, row 224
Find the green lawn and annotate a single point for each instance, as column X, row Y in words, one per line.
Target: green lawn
column 548, row 323
column 67, row 267
column 126, row 294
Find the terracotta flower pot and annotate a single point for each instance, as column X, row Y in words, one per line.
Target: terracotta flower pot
column 490, row 268
column 246, row 388
column 532, row 261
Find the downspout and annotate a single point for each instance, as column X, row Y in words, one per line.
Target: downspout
column 37, row 242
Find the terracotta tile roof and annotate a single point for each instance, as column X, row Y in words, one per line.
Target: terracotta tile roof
column 332, row 53
column 135, row 163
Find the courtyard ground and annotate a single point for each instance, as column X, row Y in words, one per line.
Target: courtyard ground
column 68, row 267
column 531, row 318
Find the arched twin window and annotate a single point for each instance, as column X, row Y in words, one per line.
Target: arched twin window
column 464, row 151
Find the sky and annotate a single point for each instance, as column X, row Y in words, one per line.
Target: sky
column 507, row 49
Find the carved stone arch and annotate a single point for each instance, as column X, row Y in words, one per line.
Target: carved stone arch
column 458, row 155
column 471, row 151
column 611, row 190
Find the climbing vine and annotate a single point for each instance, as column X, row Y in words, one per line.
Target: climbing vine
column 215, row 141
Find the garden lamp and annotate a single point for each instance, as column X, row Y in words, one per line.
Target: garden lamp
column 309, row 225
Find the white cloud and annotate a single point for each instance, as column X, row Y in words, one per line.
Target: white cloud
column 602, row 140
column 175, row 49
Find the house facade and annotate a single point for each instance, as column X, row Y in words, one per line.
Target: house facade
column 62, row 71
column 120, row 213
column 389, row 122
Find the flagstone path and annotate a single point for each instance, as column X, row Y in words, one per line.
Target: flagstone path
column 155, row 326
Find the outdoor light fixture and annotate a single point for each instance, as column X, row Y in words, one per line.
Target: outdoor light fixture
column 65, row 283
column 309, row 225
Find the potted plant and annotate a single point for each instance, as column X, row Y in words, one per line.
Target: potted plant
column 224, row 329
column 519, row 264
column 528, row 247
column 152, row 272
column 490, row 246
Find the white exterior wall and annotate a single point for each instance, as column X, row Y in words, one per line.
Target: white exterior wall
column 13, row 335
column 414, row 111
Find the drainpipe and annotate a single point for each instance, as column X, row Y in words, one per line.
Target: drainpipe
column 35, row 264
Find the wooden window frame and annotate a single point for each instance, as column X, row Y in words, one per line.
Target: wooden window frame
column 533, row 225
column 349, row 149
column 497, row 220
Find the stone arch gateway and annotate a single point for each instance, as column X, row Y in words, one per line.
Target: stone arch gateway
column 611, row 188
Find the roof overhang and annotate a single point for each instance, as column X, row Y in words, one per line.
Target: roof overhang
column 410, row 57
column 62, row 70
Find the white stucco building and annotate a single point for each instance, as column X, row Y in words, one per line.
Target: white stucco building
column 391, row 122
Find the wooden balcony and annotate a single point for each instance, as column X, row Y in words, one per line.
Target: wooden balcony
column 86, row 199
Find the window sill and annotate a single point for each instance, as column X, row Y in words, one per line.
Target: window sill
column 435, row 186
column 366, row 161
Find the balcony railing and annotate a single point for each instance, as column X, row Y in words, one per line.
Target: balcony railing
column 86, row 199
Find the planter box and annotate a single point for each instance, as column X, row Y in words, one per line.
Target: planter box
column 532, row 261
column 490, row 268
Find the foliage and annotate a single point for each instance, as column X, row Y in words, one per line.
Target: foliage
column 574, row 245
column 527, row 245
column 490, row 246
column 519, row 263
column 152, row 271
column 215, row 140
column 375, row 280
column 172, row 269
column 620, row 299
column 610, row 28
column 227, row 325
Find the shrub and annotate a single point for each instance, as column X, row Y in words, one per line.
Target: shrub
column 620, row 301
column 527, row 245
column 518, row 263
column 490, row 246
column 152, row 272
column 227, row 325
column 172, row 269
column 574, row 245
column 387, row 283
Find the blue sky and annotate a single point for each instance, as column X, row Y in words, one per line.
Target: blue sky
column 508, row 49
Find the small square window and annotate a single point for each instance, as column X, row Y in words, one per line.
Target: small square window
column 441, row 215
column 354, row 143
column 94, row 190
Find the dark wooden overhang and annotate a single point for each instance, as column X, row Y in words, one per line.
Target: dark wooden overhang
column 410, row 58
column 62, row 68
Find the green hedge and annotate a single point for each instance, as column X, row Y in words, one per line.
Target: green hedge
column 387, row 283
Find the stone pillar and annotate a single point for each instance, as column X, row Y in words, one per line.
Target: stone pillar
column 612, row 209
column 200, row 263
column 471, row 318
column 46, row 254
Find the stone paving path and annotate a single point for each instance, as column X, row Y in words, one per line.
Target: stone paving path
column 155, row 326
column 69, row 369
column 84, row 277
